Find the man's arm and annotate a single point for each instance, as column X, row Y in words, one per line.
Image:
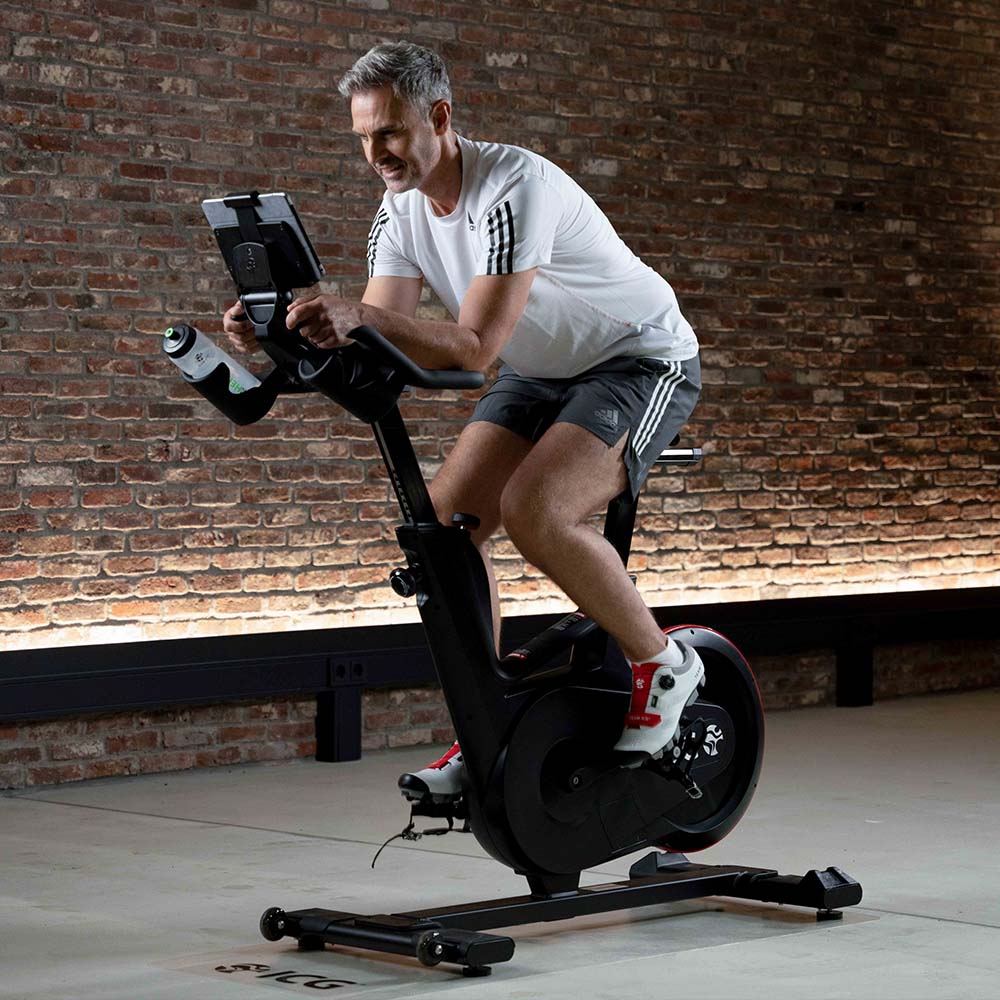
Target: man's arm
column 396, row 294
column 399, row 295
column 490, row 310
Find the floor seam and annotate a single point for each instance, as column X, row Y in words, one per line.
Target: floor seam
column 452, row 854
column 926, row 916
column 245, row 826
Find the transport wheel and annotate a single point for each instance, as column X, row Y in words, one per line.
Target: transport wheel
column 272, row 923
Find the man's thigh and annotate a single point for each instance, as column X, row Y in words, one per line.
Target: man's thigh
column 646, row 399
column 475, row 473
column 569, row 475
column 611, row 425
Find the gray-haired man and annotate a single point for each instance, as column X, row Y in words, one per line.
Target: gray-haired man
column 600, row 369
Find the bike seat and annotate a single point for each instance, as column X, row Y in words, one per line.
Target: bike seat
column 679, row 456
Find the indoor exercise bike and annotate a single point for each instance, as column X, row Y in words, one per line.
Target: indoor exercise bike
column 545, row 794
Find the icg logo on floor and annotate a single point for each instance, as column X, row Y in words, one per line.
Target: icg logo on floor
column 289, row 977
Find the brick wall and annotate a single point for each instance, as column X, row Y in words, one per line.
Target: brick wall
column 53, row 752
column 126, row 743
column 817, row 181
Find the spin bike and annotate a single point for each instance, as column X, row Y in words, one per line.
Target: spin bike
column 545, row 793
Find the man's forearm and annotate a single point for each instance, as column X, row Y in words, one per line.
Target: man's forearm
column 431, row 344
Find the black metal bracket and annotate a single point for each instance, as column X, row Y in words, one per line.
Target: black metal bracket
column 855, row 672
column 339, row 719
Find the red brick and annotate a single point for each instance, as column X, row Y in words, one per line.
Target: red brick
column 111, row 768
column 129, row 742
column 20, row 755
column 239, row 734
column 19, row 570
column 77, row 750
column 219, row 757
column 177, row 761
column 54, row 775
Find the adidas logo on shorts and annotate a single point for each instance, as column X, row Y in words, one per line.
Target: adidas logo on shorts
column 607, row 416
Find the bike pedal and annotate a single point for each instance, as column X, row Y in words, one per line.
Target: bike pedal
column 440, row 807
column 630, row 758
column 668, row 749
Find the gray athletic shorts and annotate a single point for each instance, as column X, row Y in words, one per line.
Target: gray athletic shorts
column 646, row 397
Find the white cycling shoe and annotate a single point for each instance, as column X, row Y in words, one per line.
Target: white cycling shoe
column 661, row 690
column 438, row 782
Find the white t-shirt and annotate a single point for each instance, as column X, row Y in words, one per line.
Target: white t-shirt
column 592, row 299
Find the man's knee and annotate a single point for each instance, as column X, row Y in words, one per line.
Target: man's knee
column 447, row 503
column 528, row 517
column 475, row 473
column 442, row 500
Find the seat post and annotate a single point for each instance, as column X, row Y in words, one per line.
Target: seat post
column 619, row 524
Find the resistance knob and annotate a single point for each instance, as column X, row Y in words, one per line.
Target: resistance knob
column 402, row 582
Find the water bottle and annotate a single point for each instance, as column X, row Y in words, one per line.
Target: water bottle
column 198, row 357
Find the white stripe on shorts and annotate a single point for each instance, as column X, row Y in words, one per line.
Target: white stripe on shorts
column 658, row 404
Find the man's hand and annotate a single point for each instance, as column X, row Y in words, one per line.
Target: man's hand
column 239, row 330
column 324, row 320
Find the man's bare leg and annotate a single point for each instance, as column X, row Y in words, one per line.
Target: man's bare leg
column 568, row 476
column 472, row 480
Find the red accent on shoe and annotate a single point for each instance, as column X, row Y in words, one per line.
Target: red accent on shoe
column 438, row 764
column 642, row 678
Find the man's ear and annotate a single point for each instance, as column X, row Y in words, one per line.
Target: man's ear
column 441, row 117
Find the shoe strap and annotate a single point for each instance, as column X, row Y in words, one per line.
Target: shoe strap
column 452, row 751
column 642, row 682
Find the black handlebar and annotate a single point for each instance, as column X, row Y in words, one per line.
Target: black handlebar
column 413, row 374
column 365, row 378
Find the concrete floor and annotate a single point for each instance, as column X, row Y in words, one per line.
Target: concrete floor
column 151, row 887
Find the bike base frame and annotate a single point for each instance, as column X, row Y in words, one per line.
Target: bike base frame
column 453, row 934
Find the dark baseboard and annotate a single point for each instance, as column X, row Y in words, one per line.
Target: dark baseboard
column 337, row 665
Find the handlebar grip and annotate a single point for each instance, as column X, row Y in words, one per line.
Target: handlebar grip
column 412, row 373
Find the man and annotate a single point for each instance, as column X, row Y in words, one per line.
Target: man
column 600, row 368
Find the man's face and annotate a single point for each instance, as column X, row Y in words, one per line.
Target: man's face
column 401, row 145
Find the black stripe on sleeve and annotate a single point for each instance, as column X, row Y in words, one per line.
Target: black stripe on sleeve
column 510, row 237
column 501, row 228
column 501, row 244
column 381, row 220
column 490, row 259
